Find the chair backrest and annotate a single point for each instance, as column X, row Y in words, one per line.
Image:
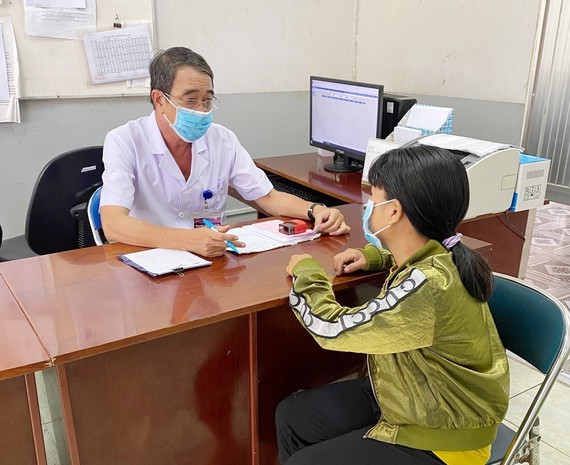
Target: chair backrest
column 95, row 217
column 57, row 214
column 535, row 326
column 531, row 323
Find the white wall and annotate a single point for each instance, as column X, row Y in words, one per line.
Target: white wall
column 263, row 45
column 477, row 49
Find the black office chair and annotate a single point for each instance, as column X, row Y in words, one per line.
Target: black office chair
column 57, row 213
column 535, row 326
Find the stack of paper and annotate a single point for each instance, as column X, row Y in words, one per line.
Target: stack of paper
column 422, row 120
column 265, row 235
column 465, row 144
column 428, row 117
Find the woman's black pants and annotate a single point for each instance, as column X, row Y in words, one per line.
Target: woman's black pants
column 326, row 426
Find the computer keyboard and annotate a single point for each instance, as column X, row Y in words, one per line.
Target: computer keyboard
column 285, row 185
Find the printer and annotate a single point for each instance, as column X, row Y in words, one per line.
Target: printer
column 491, row 167
column 492, row 181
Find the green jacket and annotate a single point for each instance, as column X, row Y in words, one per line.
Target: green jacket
column 438, row 368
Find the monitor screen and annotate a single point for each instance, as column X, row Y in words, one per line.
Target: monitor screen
column 343, row 116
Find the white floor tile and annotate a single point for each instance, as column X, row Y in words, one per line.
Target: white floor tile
column 551, row 456
column 54, row 440
column 523, row 377
column 544, row 241
column 554, row 415
column 52, row 417
column 548, row 454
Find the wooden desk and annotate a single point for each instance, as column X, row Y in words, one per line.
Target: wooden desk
column 308, row 169
column 508, row 255
column 185, row 369
column 172, row 370
column 21, row 354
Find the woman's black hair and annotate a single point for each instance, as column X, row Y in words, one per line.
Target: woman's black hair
column 432, row 187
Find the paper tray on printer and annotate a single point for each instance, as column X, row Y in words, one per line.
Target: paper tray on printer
column 477, row 147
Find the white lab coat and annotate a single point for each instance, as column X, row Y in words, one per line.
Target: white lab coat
column 141, row 174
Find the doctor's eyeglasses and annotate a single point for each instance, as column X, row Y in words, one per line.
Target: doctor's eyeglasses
column 195, row 104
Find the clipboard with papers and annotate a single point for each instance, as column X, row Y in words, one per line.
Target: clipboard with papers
column 158, row 262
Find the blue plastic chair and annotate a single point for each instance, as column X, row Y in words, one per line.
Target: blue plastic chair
column 95, row 218
column 535, row 326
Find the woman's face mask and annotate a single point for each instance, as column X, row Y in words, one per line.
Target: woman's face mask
column 190, row 125
column 368, row 234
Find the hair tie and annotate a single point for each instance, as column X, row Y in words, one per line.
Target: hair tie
column 451, row 241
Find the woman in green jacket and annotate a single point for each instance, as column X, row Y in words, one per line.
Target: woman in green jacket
column 438, row 379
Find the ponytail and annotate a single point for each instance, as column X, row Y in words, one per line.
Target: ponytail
column 474, row 272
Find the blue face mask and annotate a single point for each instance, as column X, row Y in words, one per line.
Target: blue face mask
column 190, row 125
column 368, row 234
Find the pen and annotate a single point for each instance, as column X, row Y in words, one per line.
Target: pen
column 210, row 225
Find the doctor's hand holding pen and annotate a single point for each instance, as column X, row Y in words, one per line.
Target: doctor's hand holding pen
column 212, row 241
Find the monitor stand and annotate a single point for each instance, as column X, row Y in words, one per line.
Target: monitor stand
column 343, row 164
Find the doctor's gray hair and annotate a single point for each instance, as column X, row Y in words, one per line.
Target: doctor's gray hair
column 165, row 63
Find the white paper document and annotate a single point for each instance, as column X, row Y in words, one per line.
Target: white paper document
column 428, row 117
column 9, row 74
column 59, row 3
column 403, row 134
column 144, row 82
column 375, row 148
column 119, row 54
column 60, row 23
column 265, row 235
column 157, row 262
column 465, row 144
column 4, row 89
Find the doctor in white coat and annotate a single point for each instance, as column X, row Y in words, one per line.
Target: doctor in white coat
column 167, row 172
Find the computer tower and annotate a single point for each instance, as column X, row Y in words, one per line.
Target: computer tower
column 393, row 110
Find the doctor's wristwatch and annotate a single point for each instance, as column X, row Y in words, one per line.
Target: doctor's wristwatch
column 311, row 208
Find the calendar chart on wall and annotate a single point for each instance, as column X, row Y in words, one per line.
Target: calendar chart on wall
column 53, row 67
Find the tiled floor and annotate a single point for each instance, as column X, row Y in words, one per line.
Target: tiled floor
column 549, row 260
column 554, row 416
column 549, row 269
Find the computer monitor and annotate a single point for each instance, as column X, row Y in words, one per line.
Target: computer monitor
column 343, row 116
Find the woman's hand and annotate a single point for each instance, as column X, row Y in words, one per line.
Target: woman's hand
column 349, row 261
column 294, row 260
